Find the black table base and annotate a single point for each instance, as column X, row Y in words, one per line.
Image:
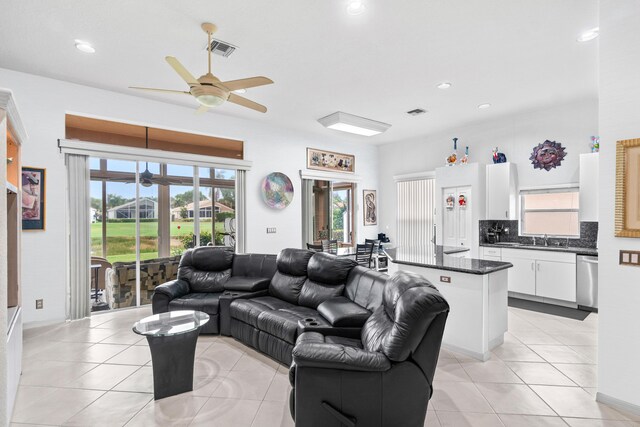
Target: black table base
column 173, row 357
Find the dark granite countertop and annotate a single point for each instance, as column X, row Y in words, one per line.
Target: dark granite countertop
column 438, row 257
column 575, row 250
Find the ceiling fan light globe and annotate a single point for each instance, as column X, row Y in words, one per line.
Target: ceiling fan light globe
column 210, row 100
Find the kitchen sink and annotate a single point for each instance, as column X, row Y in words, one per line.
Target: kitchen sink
column 508, row 244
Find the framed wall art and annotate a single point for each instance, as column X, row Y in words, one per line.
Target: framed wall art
column 627, row 219
column 330, row 161
column 370, row 204
column 33, row 198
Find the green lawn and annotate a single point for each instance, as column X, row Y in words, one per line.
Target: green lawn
column 121, row 239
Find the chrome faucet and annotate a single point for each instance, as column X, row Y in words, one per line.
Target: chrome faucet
column 534, row 240
column 546, row 240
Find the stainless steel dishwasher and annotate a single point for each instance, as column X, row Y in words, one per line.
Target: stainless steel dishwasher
column 587, row 282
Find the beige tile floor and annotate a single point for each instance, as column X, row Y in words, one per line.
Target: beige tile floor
column 97, row 372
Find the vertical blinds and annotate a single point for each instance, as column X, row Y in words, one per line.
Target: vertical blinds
column 416, row 204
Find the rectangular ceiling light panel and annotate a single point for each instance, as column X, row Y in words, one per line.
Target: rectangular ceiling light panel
column 353, row 124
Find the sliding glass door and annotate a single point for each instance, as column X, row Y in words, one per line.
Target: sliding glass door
column 144, row 216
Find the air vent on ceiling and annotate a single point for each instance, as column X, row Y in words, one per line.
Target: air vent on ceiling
column 222, row 48
column 417, row 111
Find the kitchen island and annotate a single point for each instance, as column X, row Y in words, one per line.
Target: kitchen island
column 475, row 289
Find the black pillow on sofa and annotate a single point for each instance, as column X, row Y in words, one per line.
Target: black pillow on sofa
column 342, row 312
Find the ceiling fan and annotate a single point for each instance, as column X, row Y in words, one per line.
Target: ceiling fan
column 208, row 90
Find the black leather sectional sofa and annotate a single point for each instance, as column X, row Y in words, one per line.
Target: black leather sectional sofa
column 362, row 346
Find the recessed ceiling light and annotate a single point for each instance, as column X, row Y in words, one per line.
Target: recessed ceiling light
column 444, row 85
column 589, row 35
column 353, row 124
column 240, row 91
column 84, row 47
column 483, row 106
column 355, row 7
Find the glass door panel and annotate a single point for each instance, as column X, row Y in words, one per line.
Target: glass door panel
column 148, row 204
column 121, row 222
column 342, row 213
column 181, row 231
column 322, row 211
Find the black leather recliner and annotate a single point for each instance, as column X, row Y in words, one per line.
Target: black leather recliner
column 303, row 282
column 382, row 379
column 209, row 278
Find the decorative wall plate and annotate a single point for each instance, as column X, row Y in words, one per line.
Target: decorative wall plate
column 547, row 155
column 277, row 190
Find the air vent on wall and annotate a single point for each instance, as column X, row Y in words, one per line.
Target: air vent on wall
column 417, row 111
column 222, row 48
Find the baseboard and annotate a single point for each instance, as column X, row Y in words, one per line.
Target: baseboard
column 41, row 323
column 618, row 404
column 479, row 356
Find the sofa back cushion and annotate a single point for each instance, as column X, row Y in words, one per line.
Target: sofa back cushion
column 326, row 278
column 254, row 265
column 206, row 268
column 365, row 287
column 410, row 303
column 290, row 275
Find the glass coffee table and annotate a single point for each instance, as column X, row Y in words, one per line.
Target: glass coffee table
column 172, row 338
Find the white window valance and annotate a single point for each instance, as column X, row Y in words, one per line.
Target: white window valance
column 329, row 176
column 119, row 152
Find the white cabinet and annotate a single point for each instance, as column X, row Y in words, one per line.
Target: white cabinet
column 502, row 191
column 522, row 276
column 556, row 280
column 457, row 220
column 545, row 274
column 589, row 175
column 491, row 254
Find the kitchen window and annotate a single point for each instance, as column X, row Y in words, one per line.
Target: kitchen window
column 553, row 212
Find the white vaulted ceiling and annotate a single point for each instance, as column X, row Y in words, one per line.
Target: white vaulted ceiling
column 516, row 55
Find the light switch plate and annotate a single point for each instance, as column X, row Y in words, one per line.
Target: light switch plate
column 271, row 230
column 39, row 304
column 630, row 258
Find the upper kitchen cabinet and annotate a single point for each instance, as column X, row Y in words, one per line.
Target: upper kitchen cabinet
column 502, row 192
column 589, row 175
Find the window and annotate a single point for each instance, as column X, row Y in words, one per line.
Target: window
column 553, row 212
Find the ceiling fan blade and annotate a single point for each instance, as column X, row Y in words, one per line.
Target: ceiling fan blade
column 247, row 83
column 151, row 89
column 236, row 99
column 184, row 73
column 202, row 109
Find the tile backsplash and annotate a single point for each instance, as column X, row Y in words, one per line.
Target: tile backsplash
column 588, row 234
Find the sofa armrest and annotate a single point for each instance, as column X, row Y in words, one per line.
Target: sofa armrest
column 225, row 302
column 247, row 284
column 311, row 351
column 342, row 312
column 173, row 289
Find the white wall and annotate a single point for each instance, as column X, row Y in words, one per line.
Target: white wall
column 43, row 104
column 619, row 286
column 516, row 135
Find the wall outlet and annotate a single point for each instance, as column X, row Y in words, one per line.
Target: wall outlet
column 39, row 304
column 271, row 230
column 445, row 279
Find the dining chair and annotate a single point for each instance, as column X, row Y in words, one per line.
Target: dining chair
column 330, row 246
column 374, row 242
column 315, row 248
column 364, row 254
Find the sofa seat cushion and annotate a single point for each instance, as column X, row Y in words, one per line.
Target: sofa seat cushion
column 247, row 284
column 248, row 310
column 341, row 311
column 206, row 302
column 283, row 323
